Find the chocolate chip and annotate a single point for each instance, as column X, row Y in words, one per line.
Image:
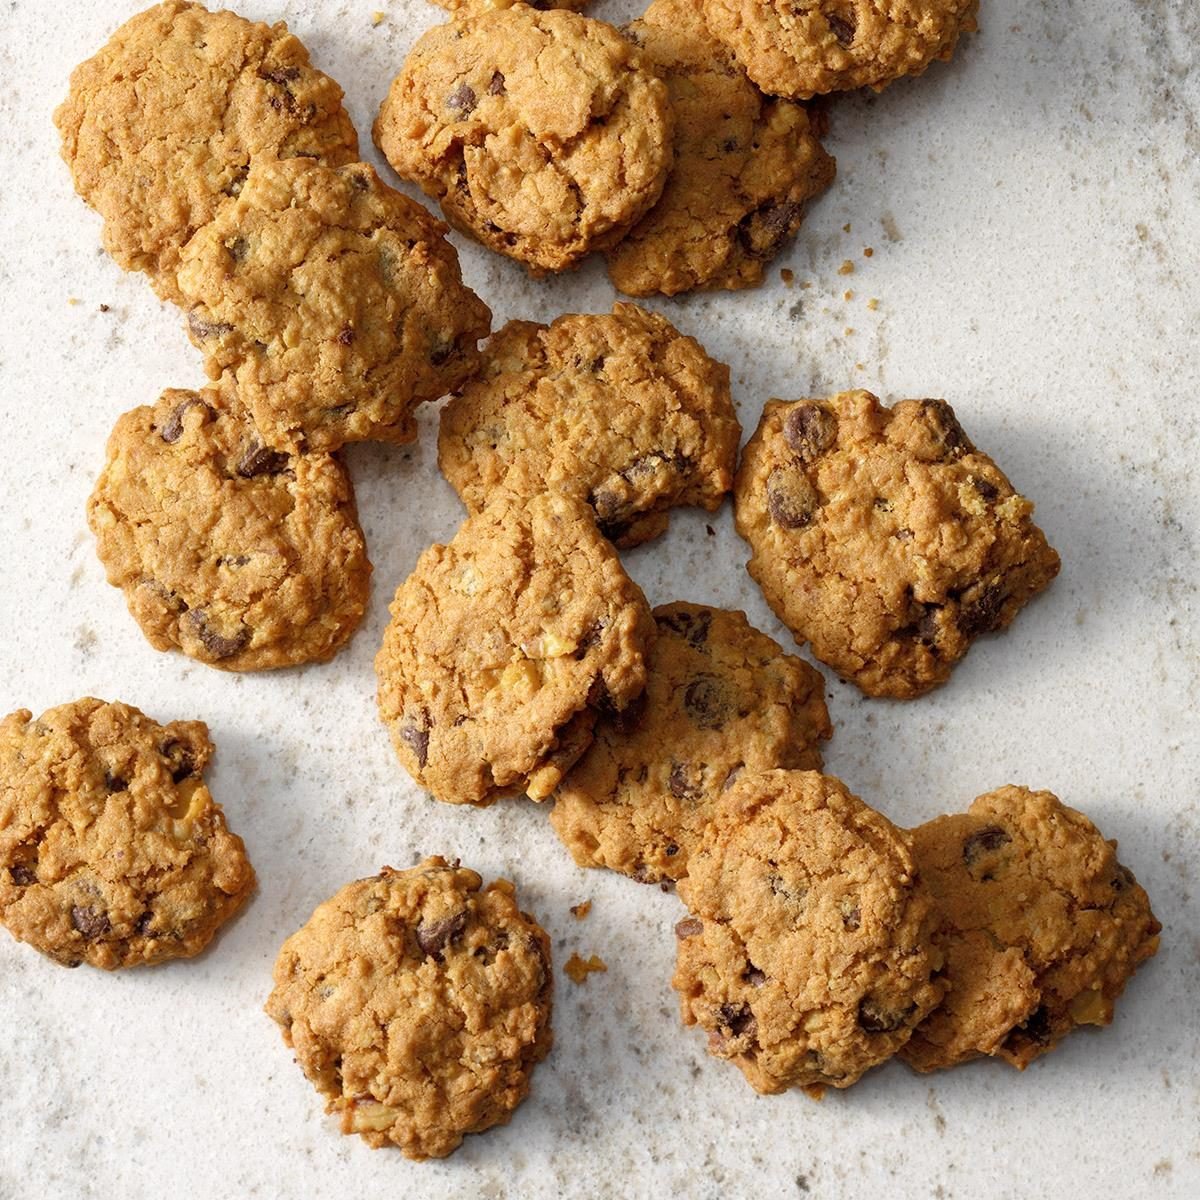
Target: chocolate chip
column 179, row 760
column 174, row 602
column 234, row 186
column 172, row 429
column 843, row 30
column 851, row 916
column 22, row 875
column 693, row 627
column 496, row 84
column 927, row 626
column 987, row 489
column 763, row 233
column 205, row 329
column 1035, row 1029
column 982, row 614
column 261, row 460
column 875, row 1019
column 738, row 1019
column 346, row 337
column 729, row 145
column 791, row 500
column 681, row 786
column 238, row 249
column 462, row 98
column 671, row 850
column 810, row 430
column 1122, row 878
column 417, row 741
column 703, row 702
column 88, row 921
column 753, row 976
column 903, row 535
column 688, row 927
column 984, row 841
column 143, row 923
column 282, row 75
column 590, row 639
column 217, row 644
column 434, row 936
column 949, row 432
column 360, row 181
column 731, row 778
column 440, row 353
column 114, row 783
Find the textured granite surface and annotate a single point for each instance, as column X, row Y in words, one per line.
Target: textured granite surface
column 1034, row 211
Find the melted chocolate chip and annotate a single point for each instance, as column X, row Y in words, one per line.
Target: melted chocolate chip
column 704, row 703
column 984, row 841
column 945, row 426
column 753, row 976
column 1122, row 878
column 114, row 783
column 417, row 740
column 1035, row 1029
column 791, row 500
column 434, row 936
column 688, row 927
column 346, row 337
column 810, row 430
column 22, row 875
column 693, row 627
column 763, row 233
column 261, row 460
column 143, row 924
column 842, row 29
column 441, row 353
column 462, row 98
column 179, row 760
column 90, row 922
column 496, row 84
column 987, row 489
column 851, row 917
column 982, row 614
column 681, row 786
column 282, row 75
column 172, row 429
column 205, row 329
column 589, row 640
column 738, row 1019
column 217, row 644
column 875, row 1019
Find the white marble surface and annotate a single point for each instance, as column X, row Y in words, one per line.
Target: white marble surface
column 1034, row 210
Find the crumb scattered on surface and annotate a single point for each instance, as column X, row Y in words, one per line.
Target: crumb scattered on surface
column 104, row 308
column 788, row 276
column 846, row 227
column 868, row 251
column 873, row 304
column 847, row 295
column 73, row 300
column 581, row 910
column 579, row 969
column 847, row 267
column 377, row 17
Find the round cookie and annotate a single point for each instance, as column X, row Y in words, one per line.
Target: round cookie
column 810, row 47
column 242, row 557
column 620, row 410
column 505, row 645
column 1040, row 924
column 112, row 850
column 807, row 955
column 884, row 538
column 161, row 126
column 545, row 135
column 335, row 302
column 418, row 1003
column 721, row 698
column 745, row 166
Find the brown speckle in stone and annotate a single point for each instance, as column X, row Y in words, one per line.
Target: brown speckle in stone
column 434, row 936
column 90, row 922
column 810, row 430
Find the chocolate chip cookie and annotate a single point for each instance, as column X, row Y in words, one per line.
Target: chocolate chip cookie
column 809, row 47
column 545, row 135
column 481, row 5
column 721, row 698
column 242, row 557
column 621, row 410
column 505, row 645
column 161, row 126
column 334, row 302
column 1040, row 924
column 745, row 167
column 418, row 1003
column 112, row 851
column 884, row 538
column 807, row 955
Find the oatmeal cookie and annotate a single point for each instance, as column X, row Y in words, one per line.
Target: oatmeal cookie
column 721, row 698
column 418, row 1003
column 807, row 955
column 745, row 167
column 112, row 851
column 621, row 410
column 334, row 302
column 505, row 645
column 242, row 557
column 1040, row 924
column 161, row 126
column 545, row 135
column 884, row 538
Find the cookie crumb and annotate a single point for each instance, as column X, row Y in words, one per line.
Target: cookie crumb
column 848, row 331
column 73, row 300
column 581, row 910
column 846, row 227
column 868, row 252
column 579, row 969
column 105, row 308
column 788, row 276
column 377, row 17
column 847, row 267
column 847, row 295
column 873, row 304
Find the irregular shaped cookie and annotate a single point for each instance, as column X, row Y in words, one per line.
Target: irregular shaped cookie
column 161, row 126
column 884, row 538
column 334, row 302
column 112, row 850
column 807, row 955
column 745, row 166
column 483, row 5
column 810, row 47
column 418, row 1003
column 545, row 135
column 1040, row 924
column 621, row 410
column 505, row 645
column 721, row 698
column 242, row 557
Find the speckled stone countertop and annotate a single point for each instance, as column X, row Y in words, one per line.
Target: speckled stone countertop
column 1034, row 212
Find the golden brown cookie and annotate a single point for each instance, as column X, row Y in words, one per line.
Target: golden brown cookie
column 335, row 303
column 545, row 135
column 242, row 557
column 745, row 166
column 1040, row 924
column 483, row 5
column 621, row 410
column 807, row 955
column 884, row 538
column 804, row 48
column 721, row 698
column 418, row 1003
column 505, row 645
column 112, row 850
column 161, row 126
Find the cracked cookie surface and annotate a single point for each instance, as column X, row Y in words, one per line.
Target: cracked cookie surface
column 242, row 557
column 620, row 410
column 333, row 301
column 484, row 5
column 160, row 127
column 721, row 699
column 884, row 537
column 545, row 135
column 745, row 167
column 815, row 46
column 1040, row 924
column 504, row 646
column 112, row 850
column 806, row 957
column 418, row 1003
